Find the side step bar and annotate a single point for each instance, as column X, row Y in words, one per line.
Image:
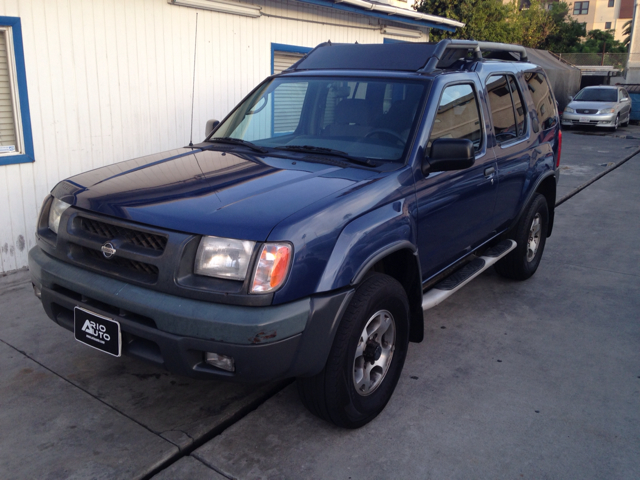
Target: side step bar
column 458, row 279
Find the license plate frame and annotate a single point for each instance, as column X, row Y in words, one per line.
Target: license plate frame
column 584, row 120
column 97, row 331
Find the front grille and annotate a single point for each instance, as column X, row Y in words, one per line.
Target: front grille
column 586, row 112
column 134, row 237
column 133, row 269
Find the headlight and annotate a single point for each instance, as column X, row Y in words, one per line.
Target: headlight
column 55, row 212
column 569, row 110
column 223, row 257
column 607, row 110
column 272, row 268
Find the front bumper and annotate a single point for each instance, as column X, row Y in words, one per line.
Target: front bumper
column 267, row 343
column 596, row 120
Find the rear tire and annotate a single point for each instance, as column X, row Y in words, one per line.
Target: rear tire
column 530, row 233
column 366, row 357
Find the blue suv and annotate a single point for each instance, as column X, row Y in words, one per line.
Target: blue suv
column 309, row 232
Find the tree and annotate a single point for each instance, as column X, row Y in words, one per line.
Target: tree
column 599, row 41
column 626, row 31
column 488, row 20
column 536, row 25
column 568, row 33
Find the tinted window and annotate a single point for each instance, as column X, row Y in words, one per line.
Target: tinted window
column 543, row 100
column 502, row 108
column 362, row 117
column 597, row 95
column 521, row 113
column 458, row 116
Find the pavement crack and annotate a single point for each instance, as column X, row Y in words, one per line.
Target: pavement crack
column 213, row 467
column 578, row 189
column 82, row 389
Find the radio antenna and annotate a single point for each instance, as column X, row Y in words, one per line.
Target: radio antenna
column 193, row 90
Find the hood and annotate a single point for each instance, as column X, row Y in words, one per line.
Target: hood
column 226, row 194
column 591, row 105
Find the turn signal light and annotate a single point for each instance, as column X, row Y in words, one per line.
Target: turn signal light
column 272, row 268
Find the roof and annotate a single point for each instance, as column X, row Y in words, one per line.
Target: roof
column 387, row 12
column 408, row 57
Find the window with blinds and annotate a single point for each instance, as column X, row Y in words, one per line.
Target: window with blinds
column 283, row 60
column 288, row 98
column 9, row 126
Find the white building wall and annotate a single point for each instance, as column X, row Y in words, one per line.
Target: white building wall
column 110, row 80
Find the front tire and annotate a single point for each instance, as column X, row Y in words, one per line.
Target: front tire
column 626, row 124
column 366, row 358
column 530, row 233
column 615, row 125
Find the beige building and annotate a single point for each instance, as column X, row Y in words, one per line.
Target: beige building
column 603, row 14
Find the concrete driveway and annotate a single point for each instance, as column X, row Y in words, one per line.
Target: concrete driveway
column 535, row 379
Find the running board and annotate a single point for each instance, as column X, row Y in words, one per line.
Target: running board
column 458, row 279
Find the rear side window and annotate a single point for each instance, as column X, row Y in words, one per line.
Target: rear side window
column 543, row 100
column 507, row 108
column 458, row 116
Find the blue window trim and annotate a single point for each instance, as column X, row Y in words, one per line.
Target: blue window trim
column 394, row 18
column 282, row 47
column 21, row 77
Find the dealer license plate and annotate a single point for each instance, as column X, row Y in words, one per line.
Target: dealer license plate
column 584, row 120
column 99, row 332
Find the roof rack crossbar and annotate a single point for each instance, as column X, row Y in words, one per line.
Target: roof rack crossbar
column 469, row 45
column 504, row 47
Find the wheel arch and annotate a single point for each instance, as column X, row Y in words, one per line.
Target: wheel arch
column 547, row 187
column 400, row 261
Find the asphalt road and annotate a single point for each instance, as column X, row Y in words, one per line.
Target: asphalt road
column 535, row 379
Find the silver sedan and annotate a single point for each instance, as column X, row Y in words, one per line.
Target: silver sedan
column 601, row 106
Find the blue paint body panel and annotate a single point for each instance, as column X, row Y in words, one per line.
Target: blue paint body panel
column 341, row 216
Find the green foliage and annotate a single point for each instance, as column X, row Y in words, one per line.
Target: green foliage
column 626, row 31
column 536, row 24
column 488, row 20
column 601, row 40
column 568, row 33
column 534, row 27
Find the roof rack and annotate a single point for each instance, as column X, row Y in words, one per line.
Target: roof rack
column 409, row 57
column 447, row 52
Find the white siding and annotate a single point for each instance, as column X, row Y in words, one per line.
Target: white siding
column 110, row 80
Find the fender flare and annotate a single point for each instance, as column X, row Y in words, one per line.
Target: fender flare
column 532, row 192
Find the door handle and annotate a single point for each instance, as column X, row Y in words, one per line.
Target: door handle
column 489, row 171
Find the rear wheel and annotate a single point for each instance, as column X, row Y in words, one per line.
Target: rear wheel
column 530, row 233
column 366, row 358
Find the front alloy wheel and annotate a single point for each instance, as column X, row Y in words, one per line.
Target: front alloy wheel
column 366, row 358
column 374, row 352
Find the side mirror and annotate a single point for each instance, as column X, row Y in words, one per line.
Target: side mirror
column 211, row 124
column 449, row 154
column 571, row 98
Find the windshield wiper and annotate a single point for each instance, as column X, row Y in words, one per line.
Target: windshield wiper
column 239, row 141
column 328, row 151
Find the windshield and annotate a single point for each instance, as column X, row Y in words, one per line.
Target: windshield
column 362, row 118
column 597, row 95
